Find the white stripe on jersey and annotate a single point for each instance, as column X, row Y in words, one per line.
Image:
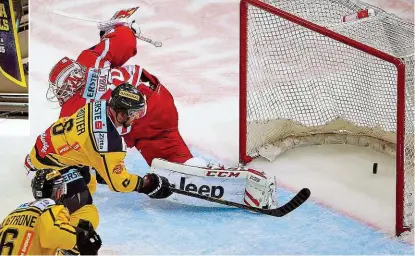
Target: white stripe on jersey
column 103, row 54
column 139, row 76
column 135, row 74
column 98, row 60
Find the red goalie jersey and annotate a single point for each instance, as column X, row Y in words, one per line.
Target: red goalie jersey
column 98, row 71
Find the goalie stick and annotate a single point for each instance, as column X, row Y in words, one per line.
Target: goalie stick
column 140, row 37
column 293, row 204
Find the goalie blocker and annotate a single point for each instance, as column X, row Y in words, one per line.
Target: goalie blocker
column 244, row 186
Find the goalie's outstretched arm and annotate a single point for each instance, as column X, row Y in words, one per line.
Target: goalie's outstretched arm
column 114, row 50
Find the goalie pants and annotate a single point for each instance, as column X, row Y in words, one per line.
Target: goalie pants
column 80, row 187
column 170, row 147
column 157, row 135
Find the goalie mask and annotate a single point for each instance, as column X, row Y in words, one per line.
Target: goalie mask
column 65, row 78
column 48, row 183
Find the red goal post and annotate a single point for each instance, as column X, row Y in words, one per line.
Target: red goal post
column 285, row 54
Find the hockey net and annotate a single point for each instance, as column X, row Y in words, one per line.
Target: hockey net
column 309, row 78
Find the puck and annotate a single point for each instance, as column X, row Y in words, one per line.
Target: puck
column 375, row 168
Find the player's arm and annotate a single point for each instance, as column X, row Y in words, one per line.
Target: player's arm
column 110, row 165
column 54, row 229
column 113, row 171
column 115, row 48
column 56, row 232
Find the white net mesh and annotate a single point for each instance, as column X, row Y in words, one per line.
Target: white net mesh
column 305, row 88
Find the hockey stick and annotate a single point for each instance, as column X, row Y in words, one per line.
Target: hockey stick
column 293, row 204
column 140, row 37
column 148, row 40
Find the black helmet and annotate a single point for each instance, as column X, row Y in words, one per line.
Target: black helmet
column 48, row 183
column 126, row 97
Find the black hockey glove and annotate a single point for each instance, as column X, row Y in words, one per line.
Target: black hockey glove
column 87, row 240
column 155, row 186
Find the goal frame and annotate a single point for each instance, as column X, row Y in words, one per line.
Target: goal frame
column 400, row 66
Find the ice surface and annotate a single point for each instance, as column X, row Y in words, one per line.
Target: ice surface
column 132, row 223
column 14, row 127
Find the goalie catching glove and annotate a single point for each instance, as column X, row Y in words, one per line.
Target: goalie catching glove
column 125, row 17
column 155, row 186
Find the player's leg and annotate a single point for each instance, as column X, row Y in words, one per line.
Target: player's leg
column 245, row 186
column 170, row 146
column 178, row 152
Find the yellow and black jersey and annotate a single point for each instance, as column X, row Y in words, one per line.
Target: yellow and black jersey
column 87, row 138
column 37, row 228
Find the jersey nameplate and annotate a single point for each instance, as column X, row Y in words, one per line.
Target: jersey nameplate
column 102, row 83
column 91, row 84
column 99, row 125
column 96, row 83
column 40, row 204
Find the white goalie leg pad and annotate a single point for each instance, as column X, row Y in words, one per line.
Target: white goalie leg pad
column 200, row 162
column 196, row 161
column 260, row 191
column 238, row 185
column 228, row 184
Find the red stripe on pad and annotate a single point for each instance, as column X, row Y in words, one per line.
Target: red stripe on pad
column 247, row 203
column 257, row 173
column 252, row 198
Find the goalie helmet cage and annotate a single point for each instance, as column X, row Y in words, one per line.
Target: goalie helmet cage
column 307, row 78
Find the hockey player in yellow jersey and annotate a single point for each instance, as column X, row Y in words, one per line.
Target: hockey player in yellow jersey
column 42, row 227
column 92, row 137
